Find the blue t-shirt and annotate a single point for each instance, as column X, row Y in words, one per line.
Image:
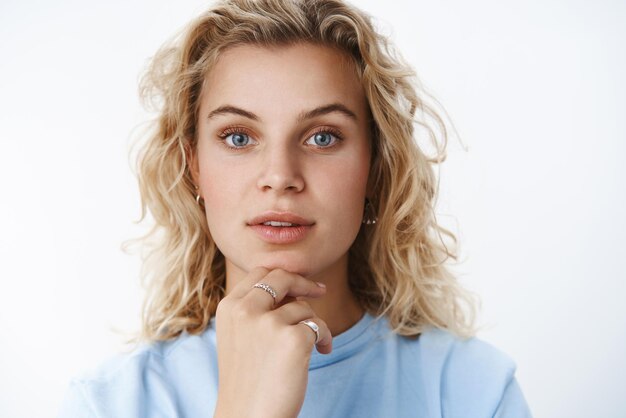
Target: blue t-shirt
column 371, row 372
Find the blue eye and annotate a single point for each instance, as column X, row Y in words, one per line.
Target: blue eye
column 238, row 139
column 324, row 139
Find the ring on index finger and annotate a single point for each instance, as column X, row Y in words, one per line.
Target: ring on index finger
column 268, row 289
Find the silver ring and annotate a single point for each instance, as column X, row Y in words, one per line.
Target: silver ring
column 267, row 288
column 314, row 327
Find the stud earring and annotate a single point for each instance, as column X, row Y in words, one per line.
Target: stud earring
column 369, row 217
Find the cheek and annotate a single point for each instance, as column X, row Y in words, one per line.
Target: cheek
column 219, row 178
column 345, row 189
column 220, row 190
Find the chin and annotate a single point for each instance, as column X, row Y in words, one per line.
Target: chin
column 285, row 263
column 296, row 269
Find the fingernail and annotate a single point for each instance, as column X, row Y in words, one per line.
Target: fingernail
column 320, row 284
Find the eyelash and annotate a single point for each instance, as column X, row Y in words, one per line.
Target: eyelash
column 240, row 130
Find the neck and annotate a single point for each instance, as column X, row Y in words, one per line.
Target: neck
column 338, row 308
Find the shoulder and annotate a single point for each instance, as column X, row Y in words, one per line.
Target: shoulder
column 467, row 358
column 468, row 376
column 141, row 359
column 129, row 381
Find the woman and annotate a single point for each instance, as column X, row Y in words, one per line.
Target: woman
column 295, row 248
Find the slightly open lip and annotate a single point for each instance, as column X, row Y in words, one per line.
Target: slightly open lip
column 280, row 217
column 281, row 236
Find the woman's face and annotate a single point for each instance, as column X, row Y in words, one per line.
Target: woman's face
column 283, row 131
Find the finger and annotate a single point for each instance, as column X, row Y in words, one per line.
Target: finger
column 242, row 288
column 324, row 345
column 284, row 284
column 293, row 312
column 286, row 300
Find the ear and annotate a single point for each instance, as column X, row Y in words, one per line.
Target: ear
column 369, row 188
column 192, row 162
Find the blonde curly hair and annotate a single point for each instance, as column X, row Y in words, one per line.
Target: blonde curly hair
column 396, row 267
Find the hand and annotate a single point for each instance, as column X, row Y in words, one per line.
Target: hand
column 263, row 352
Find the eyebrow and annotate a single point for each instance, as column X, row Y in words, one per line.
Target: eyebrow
column 318, row 111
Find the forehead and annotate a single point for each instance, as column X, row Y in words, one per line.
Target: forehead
column 272, row 78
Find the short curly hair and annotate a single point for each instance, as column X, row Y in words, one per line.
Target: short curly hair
column 396, row 267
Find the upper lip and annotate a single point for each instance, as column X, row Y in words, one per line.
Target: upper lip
column 280, row 217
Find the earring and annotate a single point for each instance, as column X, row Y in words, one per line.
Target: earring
column 369, row 217
column 198, row 195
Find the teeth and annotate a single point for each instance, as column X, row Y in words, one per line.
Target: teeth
column 275, row 223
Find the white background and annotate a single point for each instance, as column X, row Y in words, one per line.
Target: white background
column 536, row 90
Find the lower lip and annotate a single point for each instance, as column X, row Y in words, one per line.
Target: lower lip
column 281, row 234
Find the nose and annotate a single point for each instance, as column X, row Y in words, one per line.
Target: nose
column 280, row 170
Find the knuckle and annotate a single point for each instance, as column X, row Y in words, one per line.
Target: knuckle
column 294, row 337
column 271, row 320
column 223, row 306
column 241, row 311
